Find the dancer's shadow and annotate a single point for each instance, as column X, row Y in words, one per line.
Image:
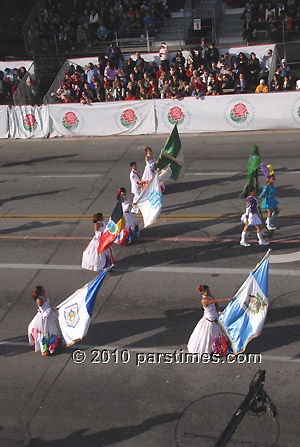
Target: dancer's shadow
column 189, row 186
column 174, row 329
column 37, row 160
column 15, row 346
column 30, row 196
column 33, row 226
column 108, row 437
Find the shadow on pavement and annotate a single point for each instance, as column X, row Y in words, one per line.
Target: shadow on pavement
column 107, row 437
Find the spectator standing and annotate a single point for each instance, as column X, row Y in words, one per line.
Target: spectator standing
column 202, row 53
column 164, row 56
column 254, row 68
column 178, row 59
column 213, row 54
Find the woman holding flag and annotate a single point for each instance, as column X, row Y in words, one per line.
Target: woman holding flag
column 131, row 230
column 91, row 260
column 44, row 332
column 150, row 165
column 208, row 335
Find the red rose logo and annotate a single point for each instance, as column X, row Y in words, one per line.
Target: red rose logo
column 29, row 122
column 239, row 113
column 70, row 118
column 128, row 118
column 176, row 115
column 70, row 121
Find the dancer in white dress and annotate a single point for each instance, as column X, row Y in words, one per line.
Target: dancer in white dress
column 207, row 330
column 44, row 331
column 90, row 258
column 131, row 230
column 150, row 165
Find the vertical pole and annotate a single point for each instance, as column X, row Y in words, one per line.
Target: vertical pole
column 55, row 44
column 147, row 39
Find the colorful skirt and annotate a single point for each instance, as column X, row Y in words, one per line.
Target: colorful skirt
column 130, row 232
column 44, row 333
column 269, row 204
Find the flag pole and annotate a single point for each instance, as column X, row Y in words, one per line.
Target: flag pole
column 262, row 260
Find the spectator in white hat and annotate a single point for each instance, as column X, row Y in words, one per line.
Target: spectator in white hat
column 262, row 87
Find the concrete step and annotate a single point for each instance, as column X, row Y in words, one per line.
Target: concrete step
column 232, row 11
column 232, row 40
column 177, row 15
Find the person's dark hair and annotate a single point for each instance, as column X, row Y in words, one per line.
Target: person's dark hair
column 97, row 217
column 120, row 192
column 249, row 189
column 132, row 163
column 202, row 288
column 36, row 292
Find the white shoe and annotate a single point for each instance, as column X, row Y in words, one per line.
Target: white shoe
column 270, row 227
column 245, row 244
column 261, row 240
column 243, row 240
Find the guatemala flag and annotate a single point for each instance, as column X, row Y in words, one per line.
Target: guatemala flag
column 244, row 317
column 74, row 314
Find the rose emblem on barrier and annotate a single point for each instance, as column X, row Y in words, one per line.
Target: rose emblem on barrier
column 239, row 113
column 298, row 112
column 176, row 116
column 29, row 122
column 70, row 121
column 128, row 118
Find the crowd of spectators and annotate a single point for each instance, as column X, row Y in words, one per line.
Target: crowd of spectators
column 10, row 79
column 79, row 21
column 273, row 18
column 204, row 72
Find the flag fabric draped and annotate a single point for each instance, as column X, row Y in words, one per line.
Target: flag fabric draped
column 172, row 154
column 150, row 201
column 244, row 317
column 113, row 228
column 74, row 314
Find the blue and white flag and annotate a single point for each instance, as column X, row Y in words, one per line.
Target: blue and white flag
column 150, row 201
column 74, row 314
column 244, row 317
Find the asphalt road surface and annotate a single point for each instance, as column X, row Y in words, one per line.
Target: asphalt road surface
column 129, row 396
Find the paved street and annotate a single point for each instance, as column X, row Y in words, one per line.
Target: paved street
column 125, row 394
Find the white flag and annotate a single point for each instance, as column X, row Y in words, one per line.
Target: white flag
column 150, row 201
column 74, row 314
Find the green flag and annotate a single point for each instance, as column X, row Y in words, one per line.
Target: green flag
column 172, row 154
column 173, row 144
column 164, row 161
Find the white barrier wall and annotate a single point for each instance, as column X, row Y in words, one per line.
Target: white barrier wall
column 3, row 121
column 102, row 119
column 208, row 114
column 29, row 122
column 229, row 113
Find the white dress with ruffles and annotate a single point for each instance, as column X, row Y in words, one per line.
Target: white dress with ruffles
column 206, row 330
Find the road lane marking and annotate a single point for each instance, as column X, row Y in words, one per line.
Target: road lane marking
column 155, row 269
column 160, row 239
column 182, row 217
column 167, row 349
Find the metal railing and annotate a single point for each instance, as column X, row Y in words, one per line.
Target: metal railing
column 28, row 91
column 254, row 31
column 48, row 99
column 67, row 44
